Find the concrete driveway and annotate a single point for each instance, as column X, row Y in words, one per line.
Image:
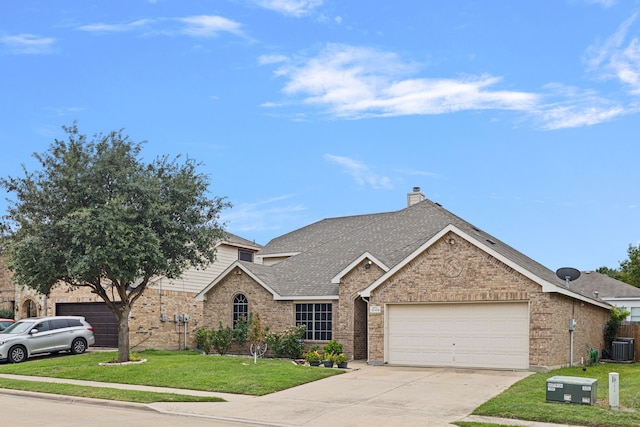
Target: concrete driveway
column 365, row 395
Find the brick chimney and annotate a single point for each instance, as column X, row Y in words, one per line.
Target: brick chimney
column 415, row 197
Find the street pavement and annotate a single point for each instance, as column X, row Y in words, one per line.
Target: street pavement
column 364, row 395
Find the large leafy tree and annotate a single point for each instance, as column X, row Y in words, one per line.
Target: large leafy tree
column 630, row 268
column 96, row 215
column 629, row 271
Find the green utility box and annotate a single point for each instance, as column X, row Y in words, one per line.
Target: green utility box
column 578, row 390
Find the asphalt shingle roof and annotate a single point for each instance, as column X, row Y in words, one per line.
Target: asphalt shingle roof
column 590, row 282
column 328, row 246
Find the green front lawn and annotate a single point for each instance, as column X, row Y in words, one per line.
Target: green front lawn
column 185, row 369
column 527, row 399
column 101, row 392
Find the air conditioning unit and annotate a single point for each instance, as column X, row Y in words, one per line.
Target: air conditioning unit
column 577, row 390
column 623, row 349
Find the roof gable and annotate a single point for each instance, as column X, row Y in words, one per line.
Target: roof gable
column 546, row 285
column 327, row 250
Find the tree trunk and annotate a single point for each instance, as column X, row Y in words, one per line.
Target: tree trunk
column 123, row 333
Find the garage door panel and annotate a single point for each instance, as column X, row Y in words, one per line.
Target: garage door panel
column 105, row 326
column 470, row 335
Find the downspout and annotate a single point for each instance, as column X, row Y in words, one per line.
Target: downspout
column 572, row 327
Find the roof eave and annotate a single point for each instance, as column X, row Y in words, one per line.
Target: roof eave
column 202, row 294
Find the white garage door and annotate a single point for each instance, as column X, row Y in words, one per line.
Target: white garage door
column 492, row 335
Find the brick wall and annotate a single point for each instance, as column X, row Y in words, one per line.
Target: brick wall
column 351, row 329
column 146, row 329
column 478, row 277
column 218, row 307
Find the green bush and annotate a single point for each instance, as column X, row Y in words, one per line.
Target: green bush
column 332, row 347
column 288, row 344
column 221, row 339
column 617, row 315
column 203, row 339
column 6, row 314
column 241, row 330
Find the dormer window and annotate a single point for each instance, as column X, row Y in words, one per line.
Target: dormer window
column 245, row 255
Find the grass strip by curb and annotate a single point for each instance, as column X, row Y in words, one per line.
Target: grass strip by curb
column 134, row 396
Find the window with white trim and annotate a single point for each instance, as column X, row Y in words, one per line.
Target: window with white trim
column 240, row 308
column 635, row 314
column 317, row 318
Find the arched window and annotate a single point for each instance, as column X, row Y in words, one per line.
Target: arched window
column 240, row 308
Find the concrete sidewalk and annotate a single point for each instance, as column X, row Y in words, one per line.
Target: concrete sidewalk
column 364, row 395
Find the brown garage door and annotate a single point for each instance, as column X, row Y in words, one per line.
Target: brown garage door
column 105, row 326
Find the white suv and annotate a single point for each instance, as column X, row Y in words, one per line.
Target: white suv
column 45, row 335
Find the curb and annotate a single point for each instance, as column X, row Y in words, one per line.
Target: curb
column 512, row 422
column 76, row 399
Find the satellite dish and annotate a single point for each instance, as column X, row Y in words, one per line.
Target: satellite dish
column 567, row 274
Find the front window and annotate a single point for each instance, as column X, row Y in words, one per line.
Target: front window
column 240, row 308
column 635, row 314
column 317, row 318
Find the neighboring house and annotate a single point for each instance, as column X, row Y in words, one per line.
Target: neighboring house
column 419, row 286
column 153, row 322
column 612, row 291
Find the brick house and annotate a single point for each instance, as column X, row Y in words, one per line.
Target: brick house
column 152, row 322
column 611, row 291
column 418, row 286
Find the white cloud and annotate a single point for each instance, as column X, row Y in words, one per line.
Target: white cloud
column 116, row 28
column 360, row 172
column 352, row 82
column 355, row 82
column 272, row 59
column 208, row 25
column 618, row 58
column 570, row 107
column 28, row 44
column 572, row 116
column 295, row 8
column 196, row 26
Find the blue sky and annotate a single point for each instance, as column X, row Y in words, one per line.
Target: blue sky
column 520, row 117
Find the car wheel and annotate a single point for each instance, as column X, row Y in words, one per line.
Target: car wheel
column 78, row 346
column 17, row 354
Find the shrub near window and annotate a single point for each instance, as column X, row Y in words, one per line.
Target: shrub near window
column 288, row 344
column 332, row 347
column 241, row 330
column 221, row 339
column 203, row 339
